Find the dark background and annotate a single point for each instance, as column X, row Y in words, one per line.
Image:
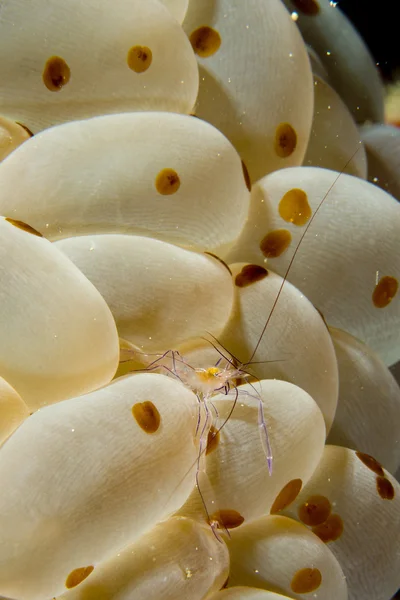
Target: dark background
column 378, row 24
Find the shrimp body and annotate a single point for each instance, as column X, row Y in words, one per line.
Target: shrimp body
column 213, row 380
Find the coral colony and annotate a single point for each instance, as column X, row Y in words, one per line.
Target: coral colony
column 199, row 304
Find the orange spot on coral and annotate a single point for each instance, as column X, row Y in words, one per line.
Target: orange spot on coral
column 385, row 291
column 56, row 74
column 330, row 530
column 220, row 260
column 139, row 58
column 275, row 243
column 285, row 140
column 77, row 576
column 315, row 510
column 287, row 495
column 23, row 226
column 250, row 274
column 246, row 176
column 294, row 207
column 385, row 488
column 212, row 439
column 146, row 416
column 371, row 463
column 306, row 581
column 205, row 41
column 167, row 182
column 227, row 518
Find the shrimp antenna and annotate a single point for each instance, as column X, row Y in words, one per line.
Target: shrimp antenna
column 229, row 360
column 295, row 253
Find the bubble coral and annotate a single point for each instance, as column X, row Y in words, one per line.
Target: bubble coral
column 185, row 308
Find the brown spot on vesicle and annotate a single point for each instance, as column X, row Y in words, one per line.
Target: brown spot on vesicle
column 321, row 314
column 246, row 176
column 205, row 41
column 385, row 488
column 294, row 207
column 23, row 226
column 139, row 58
column 28, row 131
column 275, row 243
column 167, row 182
column 225, row 584
column 56, row 74
column 227, row 518
column 330, row 530
column 77, row 576
column 250, row 274
column 220, row 260
column 371, row 463
column 315, row 510
column 286, row 496
column 147, row 416
column 212, row 439
column 307, row 7
column 385, row 291
column 285, row 140
column 306, row 581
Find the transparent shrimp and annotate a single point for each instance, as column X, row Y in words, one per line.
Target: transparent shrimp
column 222, row 378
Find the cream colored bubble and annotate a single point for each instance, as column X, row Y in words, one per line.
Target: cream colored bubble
column 351, row 244
column 73, row 64
column 241, row 91
column 113, row 175
column 177, row 8
column 296, row 345
column 82, row 479
column 383, row 154
column 62, row 339
column 367, row 501
column 237, row 468
column 368, row 413
column 12, row 135
column 150, row 285
column 335, row 141
column 178, row 558
column 13, row 410
column 269, row 552
column 351, row 68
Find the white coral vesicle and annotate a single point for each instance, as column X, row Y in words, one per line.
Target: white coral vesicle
column 263, row 109
column 172, row 284
column 83, row 60
column 178, row 558
column 353, row 505
column 64, row 339
column 149, row 286
column 346, row 264
column 163, row 175
column 84, row 478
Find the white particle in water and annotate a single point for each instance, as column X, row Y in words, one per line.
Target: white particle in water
column 294, row 16
column 189, row 573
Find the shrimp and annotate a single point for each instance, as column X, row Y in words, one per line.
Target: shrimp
column 223, row 377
